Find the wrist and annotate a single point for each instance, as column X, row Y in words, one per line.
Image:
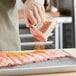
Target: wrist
column 40, row 1
column 35, row 1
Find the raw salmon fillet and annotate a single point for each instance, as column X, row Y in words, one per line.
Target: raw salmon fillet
column 8, row 59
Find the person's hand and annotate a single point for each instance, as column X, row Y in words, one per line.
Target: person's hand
column 34, row 11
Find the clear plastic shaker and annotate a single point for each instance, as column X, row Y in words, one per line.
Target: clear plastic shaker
column 42, row 30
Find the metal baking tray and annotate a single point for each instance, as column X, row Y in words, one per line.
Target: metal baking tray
column 66, row 64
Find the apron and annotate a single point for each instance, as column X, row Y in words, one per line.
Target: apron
column 9, row 27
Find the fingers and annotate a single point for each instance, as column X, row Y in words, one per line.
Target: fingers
column 43, row 10
column 33, row 14
column 36, row 14
column 40, row 11
column 31, row 19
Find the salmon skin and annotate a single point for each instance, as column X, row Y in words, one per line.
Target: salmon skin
column 8, row 59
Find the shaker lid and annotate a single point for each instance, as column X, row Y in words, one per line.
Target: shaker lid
column 38, row 35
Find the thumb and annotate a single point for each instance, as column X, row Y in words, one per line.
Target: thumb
column 28, row 24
